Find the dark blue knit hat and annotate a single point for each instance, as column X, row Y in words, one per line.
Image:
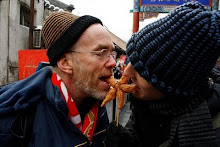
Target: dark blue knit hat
column 177, row 52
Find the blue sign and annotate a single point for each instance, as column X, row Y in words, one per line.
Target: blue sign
column 172, row 2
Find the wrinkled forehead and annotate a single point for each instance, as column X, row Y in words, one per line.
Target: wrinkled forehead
column 96, row 37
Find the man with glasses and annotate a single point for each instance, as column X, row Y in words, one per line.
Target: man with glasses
column 60, row 106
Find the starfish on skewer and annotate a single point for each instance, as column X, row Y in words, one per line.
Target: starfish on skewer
column 118, row 89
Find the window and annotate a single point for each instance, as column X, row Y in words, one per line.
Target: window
column 37, row 38
column 24, row 15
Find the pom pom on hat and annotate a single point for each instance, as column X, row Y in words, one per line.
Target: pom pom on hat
column 61, row 30
column 177, row 52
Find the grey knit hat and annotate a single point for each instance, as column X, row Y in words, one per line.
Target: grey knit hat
column 176, row 53
column 61, row 30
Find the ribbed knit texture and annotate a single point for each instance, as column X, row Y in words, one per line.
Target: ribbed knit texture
column 177, row 52
column 61, row 30
column 55, row 25
column 191, row 123
column 195, row 128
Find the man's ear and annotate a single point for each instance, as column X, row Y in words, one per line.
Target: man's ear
column 64, row 64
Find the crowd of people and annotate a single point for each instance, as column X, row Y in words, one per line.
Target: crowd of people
column 171, row 61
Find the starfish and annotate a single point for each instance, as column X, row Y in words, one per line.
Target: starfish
column 118, row 89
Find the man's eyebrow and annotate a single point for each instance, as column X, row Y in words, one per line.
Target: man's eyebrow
column 101, row 46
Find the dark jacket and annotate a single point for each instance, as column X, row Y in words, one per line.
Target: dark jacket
column 35, row 102
column 154, row 129
column 151, row 130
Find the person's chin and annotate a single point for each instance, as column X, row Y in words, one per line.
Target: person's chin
column 102, row 94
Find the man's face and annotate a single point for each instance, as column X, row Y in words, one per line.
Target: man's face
column 144, row 90
column 91, row 68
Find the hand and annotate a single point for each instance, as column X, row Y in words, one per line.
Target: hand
column 118, row 136
column 112, row 136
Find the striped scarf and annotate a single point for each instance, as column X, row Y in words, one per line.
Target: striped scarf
column 89, row 123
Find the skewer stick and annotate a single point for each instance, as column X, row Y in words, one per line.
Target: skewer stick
column 117, row 117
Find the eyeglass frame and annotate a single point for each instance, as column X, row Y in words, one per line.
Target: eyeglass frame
column 97, row 52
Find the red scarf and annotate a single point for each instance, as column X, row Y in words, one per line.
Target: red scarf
column 89, row 123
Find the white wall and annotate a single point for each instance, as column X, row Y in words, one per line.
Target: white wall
column 3, row 40
column 39, row 12
column 219, row 5
column 14, row 39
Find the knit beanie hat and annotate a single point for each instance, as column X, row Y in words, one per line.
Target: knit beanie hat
column 176, row 53
column 61, row 30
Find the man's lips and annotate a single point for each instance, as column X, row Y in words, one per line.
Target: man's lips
column 103, row 79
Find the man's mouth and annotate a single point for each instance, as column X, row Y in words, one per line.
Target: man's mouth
column 103, row 79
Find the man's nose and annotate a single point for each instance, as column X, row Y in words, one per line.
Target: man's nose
column 111, row 62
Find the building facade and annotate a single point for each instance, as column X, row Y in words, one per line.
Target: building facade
column 14, row 31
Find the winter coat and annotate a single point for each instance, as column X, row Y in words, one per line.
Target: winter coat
column 33, row 113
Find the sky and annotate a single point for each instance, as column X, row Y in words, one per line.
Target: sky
column 115, row 14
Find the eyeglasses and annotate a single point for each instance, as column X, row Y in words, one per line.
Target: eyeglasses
column 104, row 54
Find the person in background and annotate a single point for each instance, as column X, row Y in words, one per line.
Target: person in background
column 59, row 106
column 120, row 66
column 217, row 64
column 170, row 62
